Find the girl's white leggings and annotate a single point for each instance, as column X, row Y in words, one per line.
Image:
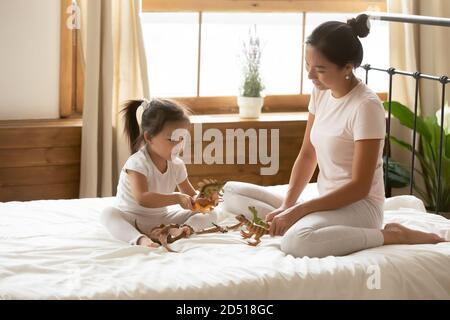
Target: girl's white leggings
column 121, row 224
column 326, row 233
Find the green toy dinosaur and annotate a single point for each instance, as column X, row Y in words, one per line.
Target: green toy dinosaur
column 257, row 220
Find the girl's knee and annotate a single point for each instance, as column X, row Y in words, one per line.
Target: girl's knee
column 202, row 221
column 109, row 214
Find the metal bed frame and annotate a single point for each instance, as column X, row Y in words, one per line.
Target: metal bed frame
column 444, row 80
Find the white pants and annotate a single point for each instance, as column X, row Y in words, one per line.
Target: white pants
column 121, row 224
column 319, row 234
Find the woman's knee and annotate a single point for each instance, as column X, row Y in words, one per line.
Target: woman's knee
column 238, row 197
column 300, row 245
column 253, row 191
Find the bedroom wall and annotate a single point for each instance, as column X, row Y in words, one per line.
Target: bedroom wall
column 29, row 59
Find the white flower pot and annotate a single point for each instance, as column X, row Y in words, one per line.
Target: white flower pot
column 250, row 107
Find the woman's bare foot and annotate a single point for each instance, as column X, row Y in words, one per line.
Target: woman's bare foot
column 395, row 233
column 145, row 241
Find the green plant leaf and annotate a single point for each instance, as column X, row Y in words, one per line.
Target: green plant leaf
column 428, row 155
column 398, row 176
column 447, row 145
column 429, row 171
column 406, row 118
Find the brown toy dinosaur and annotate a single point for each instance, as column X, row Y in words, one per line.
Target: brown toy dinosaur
column 165, row 234
column 256, row 228
column 210, row 194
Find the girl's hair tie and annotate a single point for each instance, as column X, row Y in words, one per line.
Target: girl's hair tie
column 145, row 104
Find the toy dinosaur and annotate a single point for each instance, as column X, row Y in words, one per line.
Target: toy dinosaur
column 165, row 234
column 210, row 194
column 253, row 228
column 257, row 220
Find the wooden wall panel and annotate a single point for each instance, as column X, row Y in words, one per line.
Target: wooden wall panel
column 11, row 158
column 40, row 192
column 291, row 130
column 39, row 159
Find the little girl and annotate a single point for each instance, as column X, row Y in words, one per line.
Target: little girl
column 148, row 179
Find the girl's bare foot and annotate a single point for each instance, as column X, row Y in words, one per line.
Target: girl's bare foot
column 187, row 230
column 395, row 233
column 145, row 241
column 176, row 232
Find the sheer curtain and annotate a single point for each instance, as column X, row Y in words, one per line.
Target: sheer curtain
column 115, row 71
column 419, row 47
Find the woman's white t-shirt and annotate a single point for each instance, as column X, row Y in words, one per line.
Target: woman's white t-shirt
column 338, row 123
column 157, row 182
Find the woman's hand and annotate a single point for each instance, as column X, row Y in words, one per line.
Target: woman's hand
column 273, row 214
column 185, row 201
column 284, row 220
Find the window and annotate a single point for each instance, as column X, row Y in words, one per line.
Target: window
column 71, row 78
column 171, row 45
column 193, row 48
column 172, row 52
column 222, row 37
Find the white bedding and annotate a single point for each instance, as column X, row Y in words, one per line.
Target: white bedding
column 58, row 250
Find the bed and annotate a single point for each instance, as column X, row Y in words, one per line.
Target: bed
column 57, row 249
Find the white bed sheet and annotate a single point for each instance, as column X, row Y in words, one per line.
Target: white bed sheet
column 57, row 249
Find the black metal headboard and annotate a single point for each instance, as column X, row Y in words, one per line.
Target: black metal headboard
column 417, row 75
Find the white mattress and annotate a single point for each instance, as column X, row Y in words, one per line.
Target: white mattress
column 59, row 250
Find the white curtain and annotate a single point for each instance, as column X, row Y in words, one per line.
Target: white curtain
column 115, row 71
column 420, row 48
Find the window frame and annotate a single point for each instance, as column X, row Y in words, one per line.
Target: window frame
column 272, row 103
column 262, row 5
column 72, row 66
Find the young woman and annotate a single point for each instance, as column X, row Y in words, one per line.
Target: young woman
column 345, row 136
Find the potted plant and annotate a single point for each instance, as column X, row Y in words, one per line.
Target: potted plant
column 427, row 154
column 250, row 101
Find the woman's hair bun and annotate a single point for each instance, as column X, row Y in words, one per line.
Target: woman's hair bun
column 360, row 25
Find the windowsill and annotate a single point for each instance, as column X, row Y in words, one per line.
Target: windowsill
column 35, row 123
column 265, row 117
column 207, row 118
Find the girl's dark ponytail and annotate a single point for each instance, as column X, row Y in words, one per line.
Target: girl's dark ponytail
column 132, row 130
column 155, row 115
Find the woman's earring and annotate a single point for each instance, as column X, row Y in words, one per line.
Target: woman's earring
column 347, row 77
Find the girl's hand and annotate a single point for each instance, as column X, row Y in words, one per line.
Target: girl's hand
column 273, row 214
column 283, row 221
column 185, row 201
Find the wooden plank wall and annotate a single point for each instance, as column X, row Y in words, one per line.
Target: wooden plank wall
column 39, row 159
column 291, row 132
